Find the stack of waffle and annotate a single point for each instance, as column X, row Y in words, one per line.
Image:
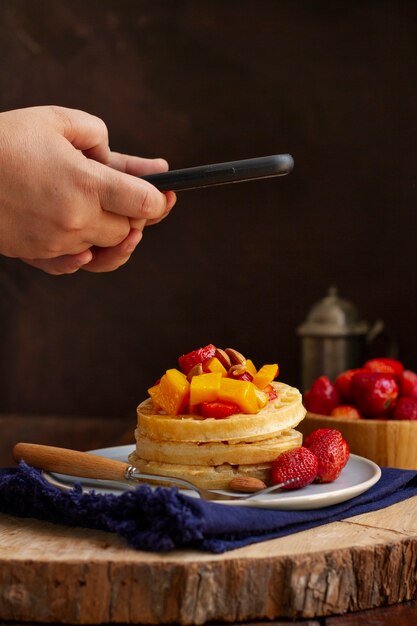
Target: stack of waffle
column 211, row 452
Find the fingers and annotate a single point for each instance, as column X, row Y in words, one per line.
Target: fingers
column 85, row 132
column 66, row 264
column 109, row 259
column 93, row 260
column 127, row 195
column 137, row 166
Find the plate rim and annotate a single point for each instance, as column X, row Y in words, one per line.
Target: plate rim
column 279, row 501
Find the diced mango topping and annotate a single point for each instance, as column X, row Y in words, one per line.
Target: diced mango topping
column 241, row 392
column 205, row 388
column 228, row 379
column 172, row 393
column 214, row 365
column 265, row 375
column 261, row 397
column 250, row 367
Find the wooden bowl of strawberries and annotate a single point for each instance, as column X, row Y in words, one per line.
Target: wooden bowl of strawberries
column 374, row 407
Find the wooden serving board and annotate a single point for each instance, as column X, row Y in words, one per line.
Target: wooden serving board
column 57, row 574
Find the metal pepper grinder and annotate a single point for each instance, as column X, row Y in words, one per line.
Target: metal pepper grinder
column 333, row 339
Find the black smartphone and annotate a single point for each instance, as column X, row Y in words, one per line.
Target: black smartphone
column 222, row 173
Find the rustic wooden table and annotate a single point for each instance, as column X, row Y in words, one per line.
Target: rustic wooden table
column 358, row 571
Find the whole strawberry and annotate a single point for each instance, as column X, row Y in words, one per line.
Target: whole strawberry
column 408, row 384
column 347, row 412
column 374, row 393
column 331, row 450
column 322, row 396
column 385, row 365
column 343, row 384
column 296, row 463
column 406, row 409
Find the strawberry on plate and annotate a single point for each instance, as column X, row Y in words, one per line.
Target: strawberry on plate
column 296, row 463
column 331, row 450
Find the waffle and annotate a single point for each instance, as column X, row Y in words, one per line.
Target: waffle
column 279, row 415
column 217, row 453
column 205, row 476
column 210, row 452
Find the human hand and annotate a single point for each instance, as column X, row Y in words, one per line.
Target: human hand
column 66, row 201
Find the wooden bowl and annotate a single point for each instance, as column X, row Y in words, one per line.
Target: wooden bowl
column 389, row 443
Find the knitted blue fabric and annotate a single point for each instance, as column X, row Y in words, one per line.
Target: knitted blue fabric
column 162, row 519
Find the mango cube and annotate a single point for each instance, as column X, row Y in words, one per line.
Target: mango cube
column 265, row 375
column 214, row 365
column 172, row 393
column 204, row 388
column 241, row 392
column 250, row 367
column 261, row 397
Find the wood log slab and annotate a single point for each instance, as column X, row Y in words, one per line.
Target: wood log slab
column 52, row 573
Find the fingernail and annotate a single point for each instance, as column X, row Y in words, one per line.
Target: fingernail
column 134, row 238
column 84, row 257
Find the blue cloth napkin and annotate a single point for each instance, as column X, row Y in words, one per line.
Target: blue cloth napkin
column 163, row 519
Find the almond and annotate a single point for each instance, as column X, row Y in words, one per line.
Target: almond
column 223, row 358
column 235, row 357
column 237, row 370
column 197, row 370
column 247, row 484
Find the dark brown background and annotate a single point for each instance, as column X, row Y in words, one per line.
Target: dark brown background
column 334, row 83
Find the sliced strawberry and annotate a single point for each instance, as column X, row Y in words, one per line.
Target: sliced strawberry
column 240, row 376
column 270, row 392
column 189, row 360
column 218, row 410
column 296, row 463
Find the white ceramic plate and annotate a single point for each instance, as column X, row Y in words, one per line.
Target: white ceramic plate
column 358, row 476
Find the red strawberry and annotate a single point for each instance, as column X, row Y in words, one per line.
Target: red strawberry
column 189, row 360
column 218, row 410
column 408, row 384
column 240, row 376
column 374, row 393
column 314, row 436
column 385, row 365
column 322, row 396
column 296, row 463
column 346, row 411
column 343, row 383
column 406, row 409
column 332, row 451
column 270, row 392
